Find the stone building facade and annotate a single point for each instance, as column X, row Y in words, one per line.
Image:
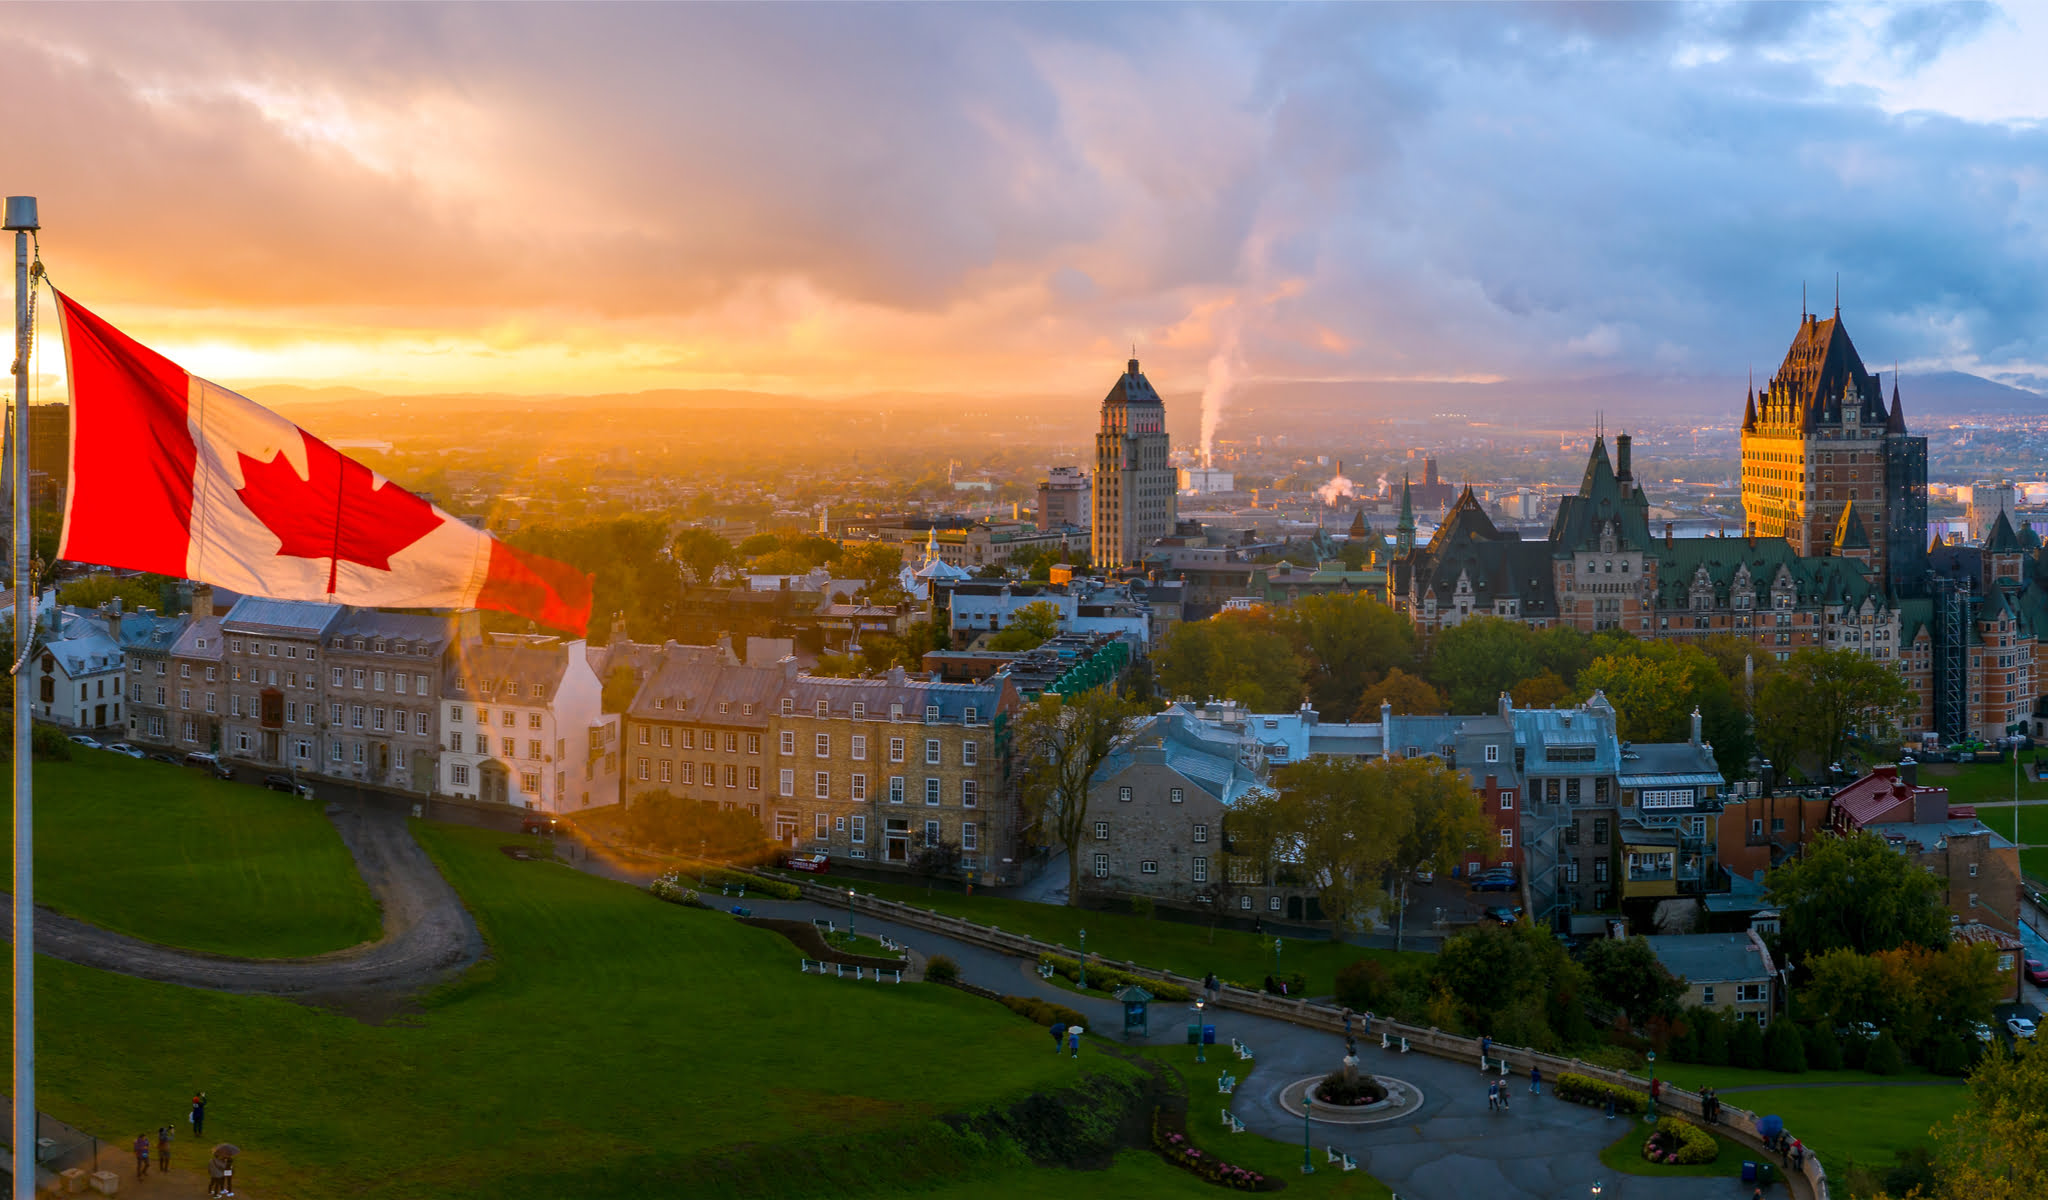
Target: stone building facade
column 383, row 683
column 273, row 665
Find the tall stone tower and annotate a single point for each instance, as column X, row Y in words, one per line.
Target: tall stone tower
column 1134, row 502
column 1818, row 439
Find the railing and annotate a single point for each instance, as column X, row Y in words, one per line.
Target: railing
column 1738, row 1124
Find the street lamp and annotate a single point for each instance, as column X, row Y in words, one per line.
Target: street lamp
column 1650, row 1109
column 1084, row 960
column 849, row 913
column 1598, row 1187
column 1308, row 1103
column 1198, row 1031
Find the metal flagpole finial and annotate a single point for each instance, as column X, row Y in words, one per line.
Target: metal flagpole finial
column 21, row 214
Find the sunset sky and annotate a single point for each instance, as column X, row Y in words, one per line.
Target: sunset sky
column 987, row 199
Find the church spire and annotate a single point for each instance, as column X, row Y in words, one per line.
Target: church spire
column 1404, row 532
column 1896, row 423
column 1749, row 409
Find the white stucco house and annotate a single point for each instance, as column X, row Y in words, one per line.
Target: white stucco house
column 523, row 723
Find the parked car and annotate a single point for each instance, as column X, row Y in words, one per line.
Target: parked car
column 2036, row 972
column 211, row 762
column 283, row 783
column 2020, row 1028
column 1982, row 1031
column 817, row 864
column 82, row 740
column 1505, row 916
column 538, row 823
column 1425, row 877
column 1494, row 883
column 1861, row 1030
column 163, row 758
column 124, row 748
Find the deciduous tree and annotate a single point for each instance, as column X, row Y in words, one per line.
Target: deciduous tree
column 1241, row 656
column 1029, row 626
column 1344, row 639
column 1060, row 744
column 1625, row 973
column 1408, row 694
column 1855, row 893
column 1814, row 704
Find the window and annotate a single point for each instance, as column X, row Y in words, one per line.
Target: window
column 860, row 711
column 823, row 709
column 184, row 697
column 931, row 752
column 895, row 712
column 1973, row 872
column 1123, row 795
column 455, row 713
column 529, row 782
column 508, row 719
column 969, row 837
column 732, row 743
column 931, row 833
column 1507, row 839
column 931, row 791
column 686, row 772
column 969, row 715
column 356, row 752
column 1102, row 831
column 455, row 742
column 788, row 780
column 1149, row 866
column 732, row 776
column 1571, row 870
column 1201, row 833
column 821, row 826
column 970, row 753
column 754, row 779
column 356, row 677
column 857, row 833
column 1102, row 868
column 398, row 682
column 1272, row 904
column 533, row 749
column 1201, row 870
column 824, row 743
column 787, row 743
column 640, row 767
column 788, row 706
column 895, row 789
column 1493, row 754
column 355, row 716
column 931, row 714
column 1507, row 801
column 895, row 750
column 821, row 785
column 970, row 793
column 1706, row 993
column 459, row 775
column 689, row 739
column 1749, row 993
column 533, row 720
column 1600, row 872
column 753, row 743
column 377, row 719
column 858, row 789
column 1175, row 795
column 1665, row 798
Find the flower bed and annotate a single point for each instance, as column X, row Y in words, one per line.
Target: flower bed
column 1582, row 1089
column 1680, row 1143
column 670, row 888
column 1108, row 979
column 1360, row 1090
column 1174, row 1147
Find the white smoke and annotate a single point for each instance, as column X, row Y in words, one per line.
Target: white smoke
column 1338, row 488
column 1386, row 487
column 1216, row 388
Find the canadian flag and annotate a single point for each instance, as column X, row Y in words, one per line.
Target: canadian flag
column 173, row 474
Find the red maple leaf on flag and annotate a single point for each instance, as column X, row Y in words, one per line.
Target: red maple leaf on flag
column 337, row 512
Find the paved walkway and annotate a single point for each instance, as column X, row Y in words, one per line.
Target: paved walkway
column 427, row 931
column 1452, row 1149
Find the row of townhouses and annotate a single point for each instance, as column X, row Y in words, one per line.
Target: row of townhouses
column 1590, row 823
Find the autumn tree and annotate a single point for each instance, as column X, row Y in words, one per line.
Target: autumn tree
column 134, row 591
column 1477, row 659
column 1409, row 695
column 1029, row 626
column 1060, row 744
column 1242, row 656
column 1996, row 1148
column 697, row 827
column 621, row 684
column 1856, row 893
column 1816, row 702
column 877, row 564
column 702, row 554
column 630, row 573
column 1654, row 688
column 1344, row 639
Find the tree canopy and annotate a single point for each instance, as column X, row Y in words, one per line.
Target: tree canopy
column 1625, row 973
column 1061, row 744
column 1343, row 640
column 1242, row 656
column 1855, row 893
column 1813, row 706
column 1029, row 626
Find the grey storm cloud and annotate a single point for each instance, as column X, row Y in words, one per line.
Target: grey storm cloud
column 1444, row 189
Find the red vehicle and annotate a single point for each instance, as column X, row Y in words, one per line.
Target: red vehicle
column 2036, row 972
column 817, row 864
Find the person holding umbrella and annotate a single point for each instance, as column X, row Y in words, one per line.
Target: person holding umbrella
column 221, row 1169
column 141, row 1155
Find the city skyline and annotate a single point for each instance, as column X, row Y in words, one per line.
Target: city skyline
column 604, row 200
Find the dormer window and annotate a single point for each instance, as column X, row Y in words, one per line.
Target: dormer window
column 824, row 709
column 788, row 706
column 660, row 702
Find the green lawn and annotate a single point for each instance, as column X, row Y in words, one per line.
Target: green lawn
column 1693, row 1076
column 1860, row 1125
column 1625, row 1154
column 169, row 854
column 1191, row 950
column 611, row 1045
column 1974, row 782
column 2035, row 863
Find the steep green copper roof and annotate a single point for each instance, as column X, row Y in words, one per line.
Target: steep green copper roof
column 1600, row 505
column 2000, row 539
column 1849, row 532
column 1731, row 564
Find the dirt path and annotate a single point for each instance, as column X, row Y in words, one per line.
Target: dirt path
column 427, row 931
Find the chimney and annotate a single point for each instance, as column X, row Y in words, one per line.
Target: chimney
column 1909, row 770
column 1667, row 535
column 202, row 601
column 1308, row 713
column 618, row 630
column 1695, row 724
column 469, row 626
column 1507, row 707
column 725, row 649
column 1621, row 468
column 1386, row 730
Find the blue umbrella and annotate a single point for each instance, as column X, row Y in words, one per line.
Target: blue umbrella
column 1769, row 1127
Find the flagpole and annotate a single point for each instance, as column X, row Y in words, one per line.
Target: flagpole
column 21, row 218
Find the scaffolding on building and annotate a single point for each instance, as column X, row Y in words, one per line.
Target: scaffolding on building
column 1952, row 598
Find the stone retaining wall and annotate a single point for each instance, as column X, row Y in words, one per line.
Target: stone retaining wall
column 1736, row 1123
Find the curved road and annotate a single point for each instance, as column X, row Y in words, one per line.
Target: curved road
column 427, row 931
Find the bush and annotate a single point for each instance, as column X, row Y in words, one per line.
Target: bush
column 1361, row 1089
column 1884, row 1057
column 1783, row 1048
column 1365, row 986
column 1823, row 1048
column 1583, row 1089
column 1108, row 979
column 1746, row 1044
column 45, row 742
column 1950, row 1056
column 671, row 888
column 1045, row 1012
column 1293, row 986
column 1680, row 1143
column 1713, row 1037
column 940, row 969
column 1143, row 906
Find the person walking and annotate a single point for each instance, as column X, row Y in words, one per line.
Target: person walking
column 1347, row 1026
column 141, row 1156
column 1073, row 1041
column 1493, row 1097
column 198, row 1116
column 1059, row 1034
column 1535, row 1080
column 1485, row 1048
column 216, row 1176
column 1212, row 985
column 163, row 1149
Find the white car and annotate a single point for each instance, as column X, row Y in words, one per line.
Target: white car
column 125, row 748
column 1982, row 1031
column 2020, row 1028
column 82, row 740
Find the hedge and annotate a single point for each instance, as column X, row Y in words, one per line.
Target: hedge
column 1045, row 1012
column 774, row 889
column 1681, row 1144
column 1108, row 979
column 1582, row 1089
